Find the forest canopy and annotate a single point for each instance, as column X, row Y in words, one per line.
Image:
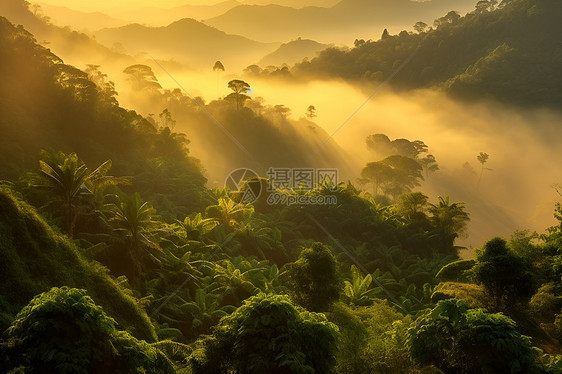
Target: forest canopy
column 120, row 255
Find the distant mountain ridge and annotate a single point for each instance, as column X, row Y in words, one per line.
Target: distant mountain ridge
column 161, row 16
column 187, row 40
column 293, row 52
column 512, row 53
column 91, row 21
column 342, row 23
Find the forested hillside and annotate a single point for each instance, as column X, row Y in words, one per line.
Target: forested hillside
column 119, row 257
column 509, row 52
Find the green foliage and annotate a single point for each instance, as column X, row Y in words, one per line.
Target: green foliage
column 459, row 340
column 473, row 295
column 546, row 302
column 412, row 206
column 134, row 223
column 72, row 113
column 267, row 334
column 504, row 275
column 385, row 351
column 239, row 88
column 359, row 291
column 394, row 175
column 69, row 178
column 36, row 258
column 457, row 271
column 63, row 331
column 313, row 280
column 205, row 254
column 449, row 217
column 487, row 53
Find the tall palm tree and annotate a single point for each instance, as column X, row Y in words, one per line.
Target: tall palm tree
column 196, row 227
column 135, row 222
column 205, row 310
column 450, row 217
column 229, row 213
column 232, row 284
column 69, row 178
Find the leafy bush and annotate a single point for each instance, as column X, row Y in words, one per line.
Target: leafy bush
column 460, row 340
column 268, row 334
column 313, row 280
column 64, row 331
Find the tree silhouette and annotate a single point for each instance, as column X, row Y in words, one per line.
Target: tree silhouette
column 395, row 174
column 450, row 18
column 218, row 68
column 377, row 173
column 311, row 112
column 450, row 217
column 239, row 88
column 385, row 34
column 420, row 27
column 504, row 275
column 429, row 164
column 142, row 77
column 166, row 119
column 482, row 159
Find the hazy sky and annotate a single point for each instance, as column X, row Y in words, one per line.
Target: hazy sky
column 102, row 5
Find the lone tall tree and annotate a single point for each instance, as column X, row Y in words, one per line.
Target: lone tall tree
column 482, row 159
column 311, row 112
column 239, row 88
column 385, row 34
column 218, row 68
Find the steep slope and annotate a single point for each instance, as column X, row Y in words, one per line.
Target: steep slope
column 36, row 258
column 187, row 40
column 75, row 48
column 46, row 104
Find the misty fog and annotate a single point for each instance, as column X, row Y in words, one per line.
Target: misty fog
column 516, row 194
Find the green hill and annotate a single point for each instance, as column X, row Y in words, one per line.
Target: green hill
column 35, row 258
column 293, row 52
column 46, row 104
column 511, row 53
